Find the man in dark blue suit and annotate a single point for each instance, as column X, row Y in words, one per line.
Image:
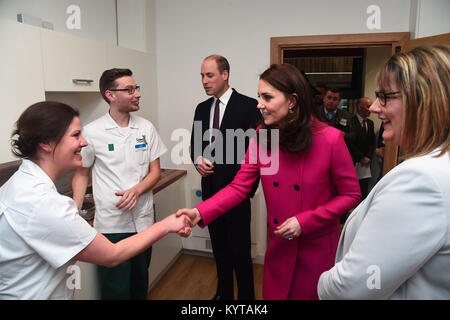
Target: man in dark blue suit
column 230, row 234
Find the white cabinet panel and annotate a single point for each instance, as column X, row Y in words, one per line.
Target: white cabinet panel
column 71, row 63
column 21, row 81
column 167, row 201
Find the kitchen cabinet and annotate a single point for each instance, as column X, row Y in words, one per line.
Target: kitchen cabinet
column 21, row 81
column 71, row 63
column 167, row 249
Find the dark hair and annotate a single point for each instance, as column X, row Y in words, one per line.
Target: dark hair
column 334, row 90
column 109, row 76
column 295, row 128
column 41, row 122
column 222, row 62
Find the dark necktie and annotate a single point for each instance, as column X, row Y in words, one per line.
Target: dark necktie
column 365, row 126
column 216, row 118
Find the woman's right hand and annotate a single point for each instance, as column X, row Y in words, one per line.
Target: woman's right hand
column 179, row 223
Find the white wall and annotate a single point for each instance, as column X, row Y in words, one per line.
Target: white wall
column 429, row 18
column 131, row 24
column 375, row 59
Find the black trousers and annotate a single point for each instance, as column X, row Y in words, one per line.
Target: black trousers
column 364, row 186
column 231, row 243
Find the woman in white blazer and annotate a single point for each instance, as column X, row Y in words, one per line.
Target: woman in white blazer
column 396, row 243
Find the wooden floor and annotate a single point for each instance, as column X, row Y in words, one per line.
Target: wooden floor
column 195, row 278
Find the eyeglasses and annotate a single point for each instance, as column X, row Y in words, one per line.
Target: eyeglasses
column 383, row 96
column 130, row 90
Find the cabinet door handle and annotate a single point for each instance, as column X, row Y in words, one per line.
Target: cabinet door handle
column 82, row 81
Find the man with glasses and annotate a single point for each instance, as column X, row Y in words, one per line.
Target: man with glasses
column 123, row 154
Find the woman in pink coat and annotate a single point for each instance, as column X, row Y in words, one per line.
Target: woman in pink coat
column 308, row 184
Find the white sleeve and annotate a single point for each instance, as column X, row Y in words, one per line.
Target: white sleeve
column 56, row 231
column 404, row 227
column 156, row 145
column 88, row 152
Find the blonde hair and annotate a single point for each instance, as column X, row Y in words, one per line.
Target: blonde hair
column 423, row 77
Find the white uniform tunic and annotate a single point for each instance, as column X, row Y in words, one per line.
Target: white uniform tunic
column 41, row 231
column 120, row 159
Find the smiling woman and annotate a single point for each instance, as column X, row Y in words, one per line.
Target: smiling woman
column 401, row 229
column 315, row 184
column 42, row 233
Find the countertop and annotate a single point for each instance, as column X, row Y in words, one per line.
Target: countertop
column 64, row 182
column 168, row 176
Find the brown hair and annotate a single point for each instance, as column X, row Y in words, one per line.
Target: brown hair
column 423, row 78
column 295, row 128
column 108, row 78
column 41, row 122
column 222, row 62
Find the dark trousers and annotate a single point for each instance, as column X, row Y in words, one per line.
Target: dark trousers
column 364, row 186
column 231, row 243
column 128, row 280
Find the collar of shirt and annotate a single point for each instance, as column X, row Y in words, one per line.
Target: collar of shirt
column 222, row 106
column 361, row 120
column 29, row 167
column 329, row 113
column 111, row 124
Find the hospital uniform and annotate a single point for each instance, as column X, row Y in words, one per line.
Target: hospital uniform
column 120, row 158
column 41, row 232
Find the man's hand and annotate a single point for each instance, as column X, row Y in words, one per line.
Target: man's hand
column 204, row 167
column 129, row 198
column 365, row 161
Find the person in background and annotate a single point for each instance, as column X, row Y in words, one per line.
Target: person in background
column 42, row 234
column 230, row 235
column 331, row 114
column 361, row 143
column 315, row 182
column 379, row 151
column 318, row 95
column 396, row 244
column 123, row 156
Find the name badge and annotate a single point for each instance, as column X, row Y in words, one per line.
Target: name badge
column 343, row 122
column 139, row 146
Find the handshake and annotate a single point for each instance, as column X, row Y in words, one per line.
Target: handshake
column 182, row 221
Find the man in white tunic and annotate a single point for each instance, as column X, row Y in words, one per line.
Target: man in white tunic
column 123, row 154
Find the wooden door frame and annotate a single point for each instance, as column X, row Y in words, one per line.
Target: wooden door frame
column 365, row 40
column 362, row 40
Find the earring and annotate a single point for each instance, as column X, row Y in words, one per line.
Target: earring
column 290, row 110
